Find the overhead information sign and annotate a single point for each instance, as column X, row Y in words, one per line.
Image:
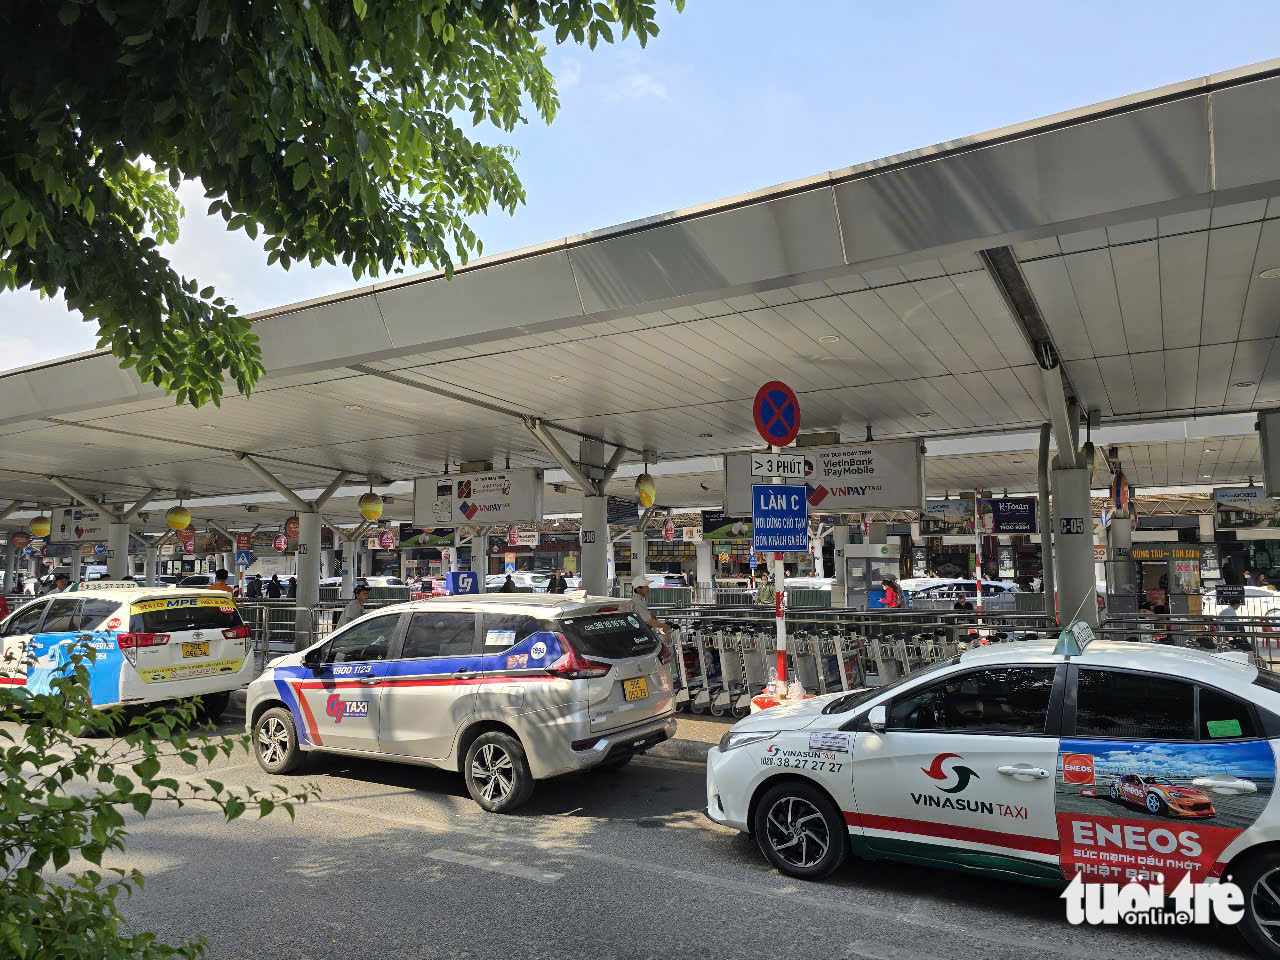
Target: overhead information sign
column 846, row 478
column 789, row 466
column 501, row 497
column 779, row 517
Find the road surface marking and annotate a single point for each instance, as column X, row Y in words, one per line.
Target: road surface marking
column 495, row 866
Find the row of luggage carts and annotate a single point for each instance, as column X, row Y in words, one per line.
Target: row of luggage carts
column 722, row 664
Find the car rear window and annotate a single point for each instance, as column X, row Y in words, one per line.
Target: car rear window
column 610, row 635
column 176, row 619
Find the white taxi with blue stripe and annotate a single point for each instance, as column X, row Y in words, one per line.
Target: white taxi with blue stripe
column 504, row 688
column 149, row 644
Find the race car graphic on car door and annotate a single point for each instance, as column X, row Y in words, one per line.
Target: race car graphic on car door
column 1152, row 812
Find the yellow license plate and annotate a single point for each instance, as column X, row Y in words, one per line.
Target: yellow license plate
column 636, row 689
column 200, row 649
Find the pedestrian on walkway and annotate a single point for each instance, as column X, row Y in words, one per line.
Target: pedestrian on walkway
column 220, row 581
column 892, row 593
column 273, row 587
column 557, row 584
column 640, row 604
column 253, row 588
column 293, row 588
column 355, row 608
column 508, row 585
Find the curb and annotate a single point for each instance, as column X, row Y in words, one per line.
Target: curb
column 691, row 751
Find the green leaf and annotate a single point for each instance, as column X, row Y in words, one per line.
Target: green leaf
column 301, row 174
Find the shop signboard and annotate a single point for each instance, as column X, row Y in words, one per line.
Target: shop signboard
column 691, row 534
column 669, row 530
column 947, row 518
column 291, row 528
column 1244, row 508
column 386, row 540
column 281, row 544
column 881, row 475
column 522, row 538
column 1005, row 561
column 501, row 497
column 244, row 541
column 1209, row 568
column 717, row 526
column 76, row 525
column 919, row 561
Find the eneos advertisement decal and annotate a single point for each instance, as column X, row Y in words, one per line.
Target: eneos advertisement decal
column 1152, row 812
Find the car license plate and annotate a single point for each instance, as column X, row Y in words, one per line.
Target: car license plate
column 635, row 689
column 200, row 649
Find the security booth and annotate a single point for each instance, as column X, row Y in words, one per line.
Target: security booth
column 865, row 565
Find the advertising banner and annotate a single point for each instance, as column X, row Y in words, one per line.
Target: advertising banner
column 717, row 526
column 947, row 518
column 691, row 534
column 502, row 497
column 882, row 475
column 1127, row 810
column 411, row 536
column 76, row 525
column 1008, row 515
column 1244, row 508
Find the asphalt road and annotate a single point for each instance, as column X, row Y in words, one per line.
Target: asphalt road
column 396, row 861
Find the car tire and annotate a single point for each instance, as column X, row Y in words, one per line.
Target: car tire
column 1260, row 902
column 214, row 705
column 275, row 742
column 1115, row 791
column 795, row 812
column 1155, row 805
column 497, row 772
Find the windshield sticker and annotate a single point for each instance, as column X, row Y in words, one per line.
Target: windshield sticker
column 836, row 742
column 499, row 638
column 517, row 661
column 1154, row 812
column 179, row 603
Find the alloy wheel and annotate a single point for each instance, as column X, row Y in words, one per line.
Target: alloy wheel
column 273, row 740
column 493, row 772
column 1264, row 903
column 798, row 832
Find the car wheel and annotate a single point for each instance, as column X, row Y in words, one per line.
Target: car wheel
column 497, row 772
column 214, row 705
column 275, row 741
column 1115, row 791
column 1154, row 803
column 1259, row 879
column 800, row 831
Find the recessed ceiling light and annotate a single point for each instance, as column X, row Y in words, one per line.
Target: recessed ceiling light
column 208, row 426
column 1206, row 476
column 705, row 436
column 1243, row 384
column 924, row 414
column 560, row 378
column 1271, row 273
column 353, row 406
column 829, row 338
column 1208, row 450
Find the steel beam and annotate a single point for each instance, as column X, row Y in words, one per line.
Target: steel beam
column 269, row 479
column 1047, row 582
column 611, row 467
column 570, row 466
column 4, row 514
column 1060, row 413
column 85, row 500
column 127, row 515
column 330, row 490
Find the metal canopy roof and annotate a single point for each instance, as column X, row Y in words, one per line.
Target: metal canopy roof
column 1140, row 225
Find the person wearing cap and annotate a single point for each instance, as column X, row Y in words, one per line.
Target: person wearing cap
column 639, row 602
column 355, row 609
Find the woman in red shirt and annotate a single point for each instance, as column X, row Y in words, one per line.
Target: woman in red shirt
column 892, row 593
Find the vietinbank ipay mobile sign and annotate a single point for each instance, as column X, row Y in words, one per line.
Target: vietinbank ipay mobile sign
column 848, row 477
column 779, row 517
column 462, row 499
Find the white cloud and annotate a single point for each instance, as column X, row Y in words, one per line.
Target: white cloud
column 569, row 74
column 636, row 86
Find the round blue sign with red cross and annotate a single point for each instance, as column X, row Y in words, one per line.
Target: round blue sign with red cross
column 777, row 413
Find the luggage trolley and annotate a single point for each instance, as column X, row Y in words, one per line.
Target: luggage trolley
column 709, row 677
column 734, row 695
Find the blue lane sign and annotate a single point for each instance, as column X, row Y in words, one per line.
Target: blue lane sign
column 461, row 581
column 244, row 558
column 779, row 517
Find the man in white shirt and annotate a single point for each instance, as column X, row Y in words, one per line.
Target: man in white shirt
column 639, row 595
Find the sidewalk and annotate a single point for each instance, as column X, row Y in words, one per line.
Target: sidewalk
column 695, row 736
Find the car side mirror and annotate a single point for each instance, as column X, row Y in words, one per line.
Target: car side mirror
column 877, row 717
column 312, row 657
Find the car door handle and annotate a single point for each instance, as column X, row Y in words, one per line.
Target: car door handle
column 369, row 681
column 1023, row 770
column 461, row 672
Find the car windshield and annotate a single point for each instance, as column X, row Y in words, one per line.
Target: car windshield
column 859, row 697
column 1160, row 780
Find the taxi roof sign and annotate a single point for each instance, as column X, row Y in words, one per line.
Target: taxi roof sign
column 106, row 585
column 1073, row 640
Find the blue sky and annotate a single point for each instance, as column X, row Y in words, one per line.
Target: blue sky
column 735, row 95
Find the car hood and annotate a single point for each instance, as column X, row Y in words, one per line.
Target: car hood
column 786, row 715
column 1180, row 793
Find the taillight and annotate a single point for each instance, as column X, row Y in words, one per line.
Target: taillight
column 664, row 652
column 128, row 641
column 573, row 667
column 237, row 633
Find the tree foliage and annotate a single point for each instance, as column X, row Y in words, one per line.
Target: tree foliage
column 63, row 802
column 333, row 127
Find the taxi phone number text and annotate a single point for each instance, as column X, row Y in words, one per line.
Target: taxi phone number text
column 800, row 763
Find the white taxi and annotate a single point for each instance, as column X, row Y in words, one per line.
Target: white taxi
column 1034, row 760
column 149, row 643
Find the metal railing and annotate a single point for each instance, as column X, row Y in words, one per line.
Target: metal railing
column 283, row 626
